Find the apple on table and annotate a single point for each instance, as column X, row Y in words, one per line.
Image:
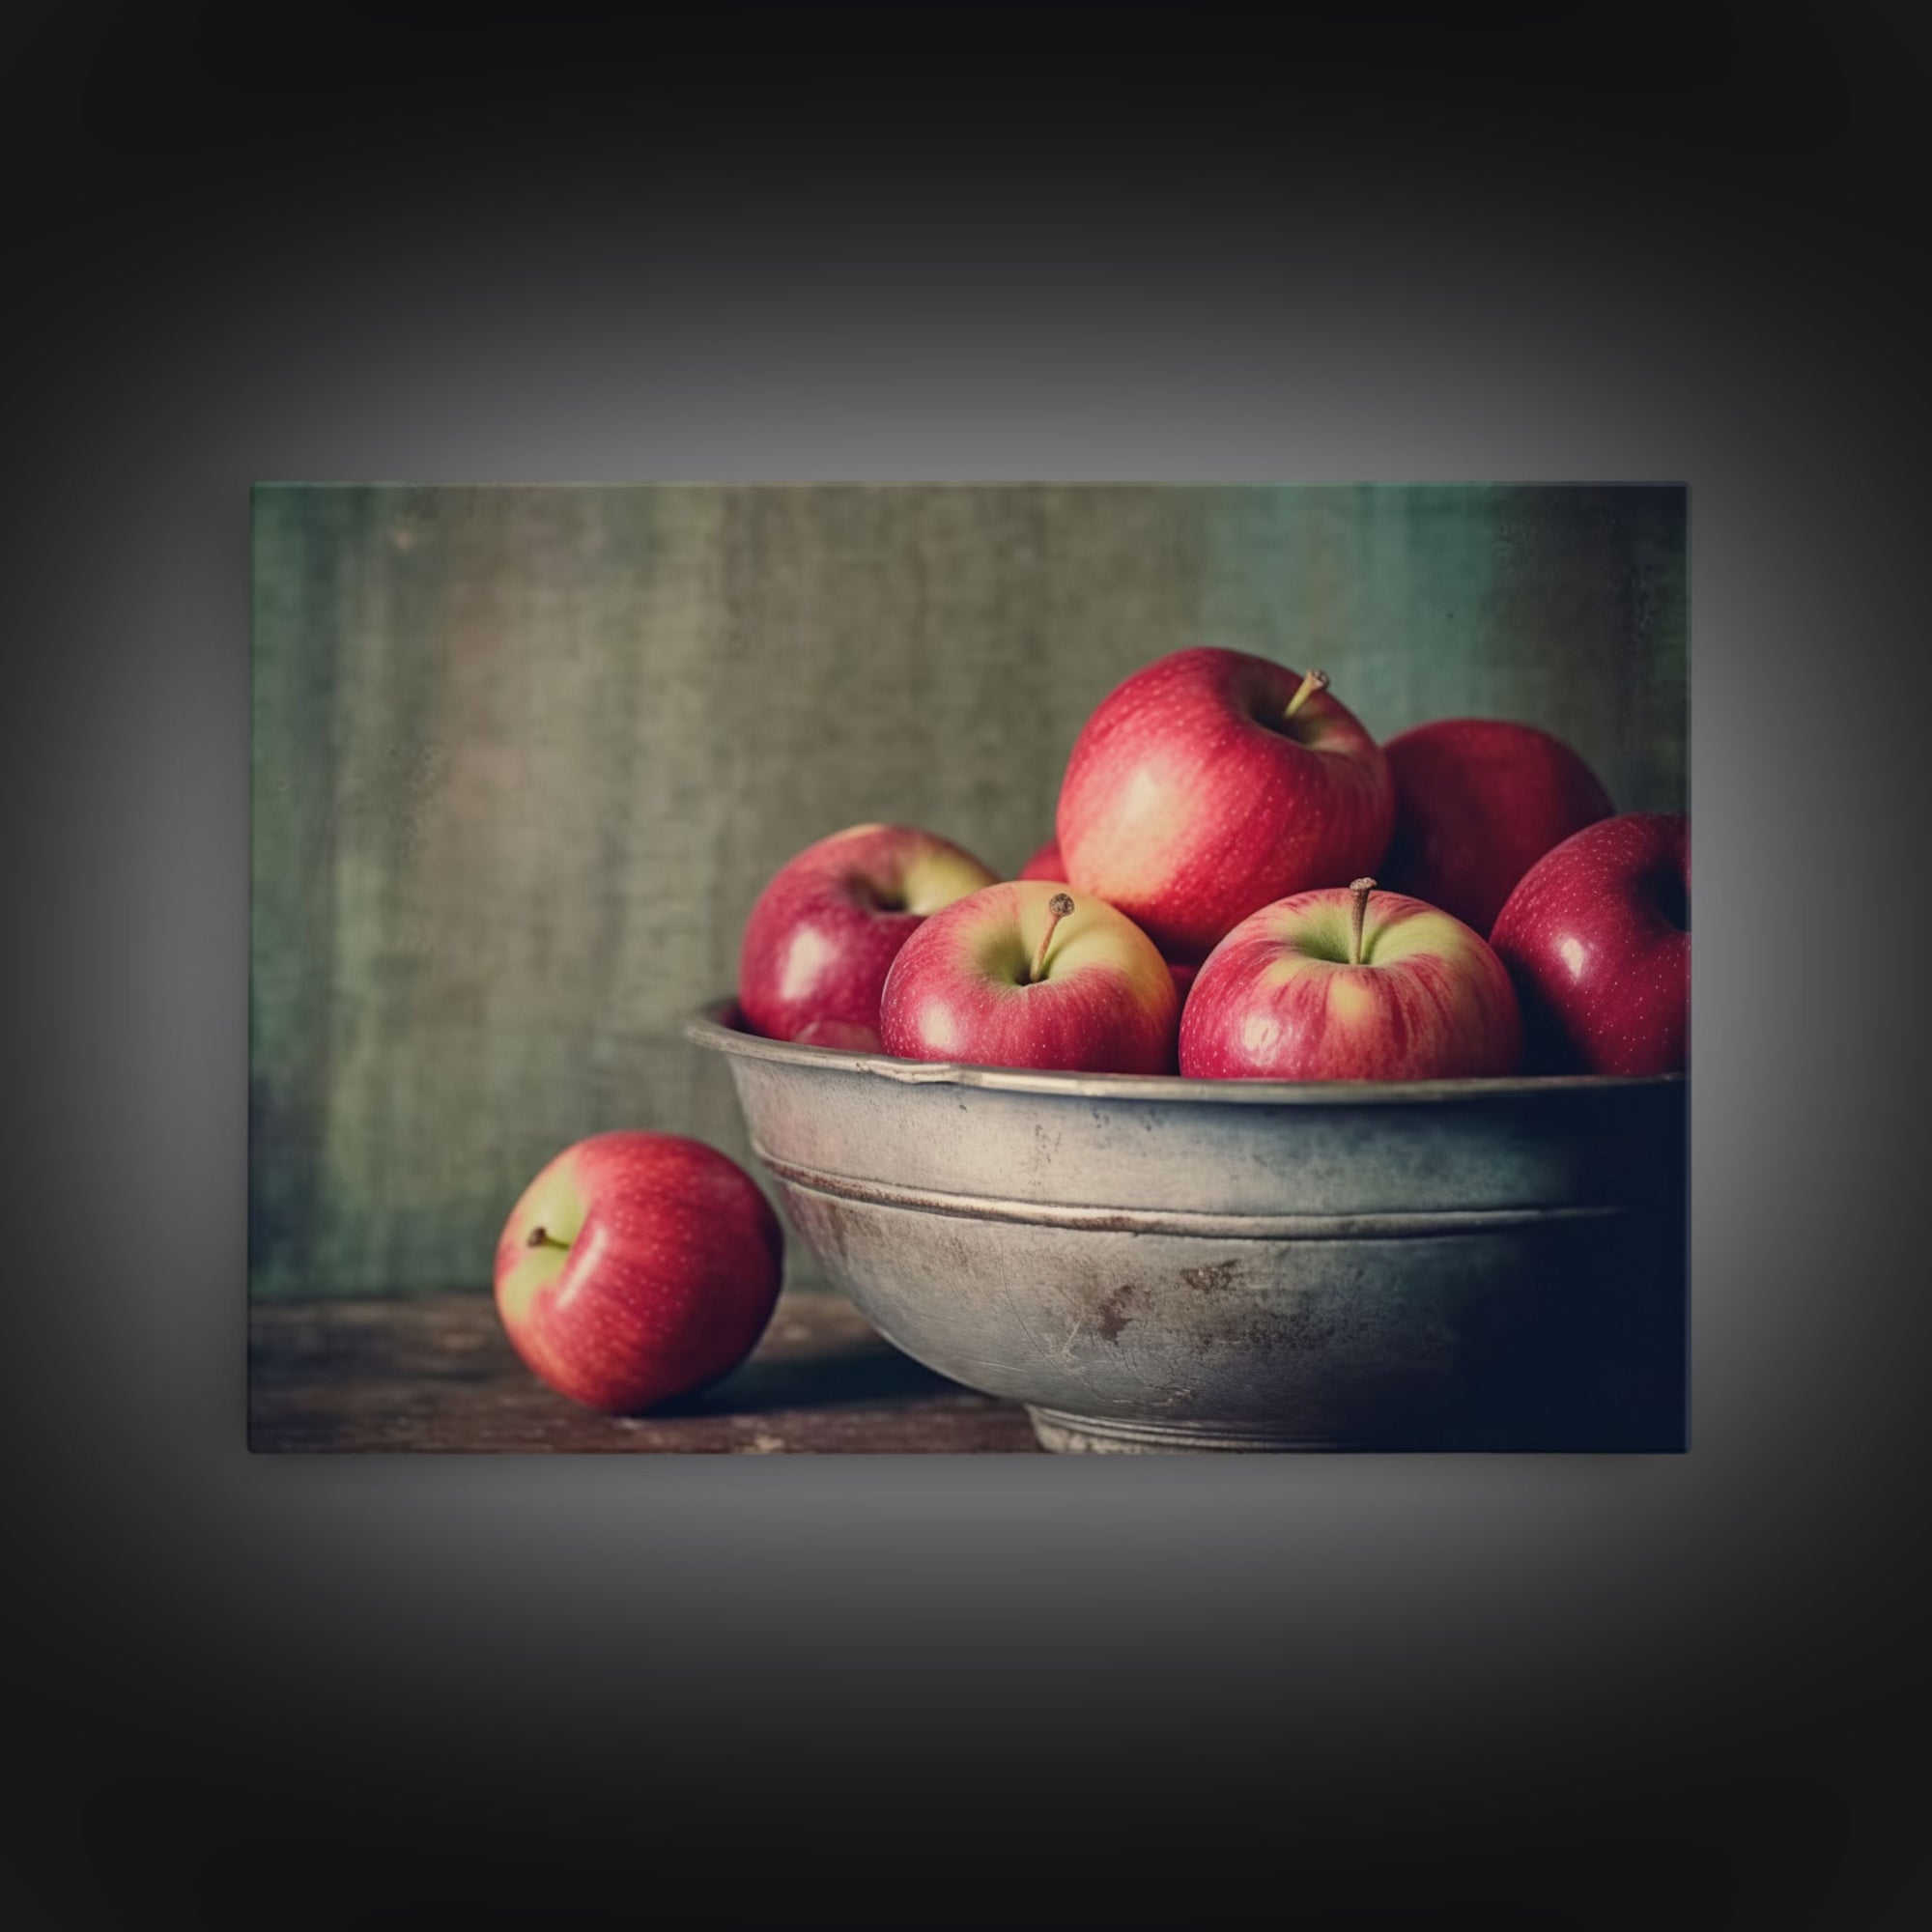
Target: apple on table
column 1597, row 938
column 826, row 929
column 1478, row 801
column 1026, row 974
column 638, row 1267
column 1351, row 983
column 1211, row 784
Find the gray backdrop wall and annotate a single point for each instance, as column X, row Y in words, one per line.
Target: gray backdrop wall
column 524, row 757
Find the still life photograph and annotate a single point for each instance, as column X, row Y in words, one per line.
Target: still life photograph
column 1020, row 968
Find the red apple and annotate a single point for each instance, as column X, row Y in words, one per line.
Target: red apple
column 825, row 931
column 636, row 1267
column 1045, row 863
column 1212, row 783
column 1597, row 937
column 1351, row 983
column 1478, row 801
column 1025, row 974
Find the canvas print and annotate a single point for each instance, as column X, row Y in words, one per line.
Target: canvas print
column 969, row 968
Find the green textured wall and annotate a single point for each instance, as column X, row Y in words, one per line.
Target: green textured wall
column 524, row 757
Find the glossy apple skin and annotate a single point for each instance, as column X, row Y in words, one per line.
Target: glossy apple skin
column 1105, row 1004
column 1478, row 801
column 1278, row 1000
column 1045, row 863
column 1597, row 938
column 825, row 931
column 1191, row 800
column 673, row 1268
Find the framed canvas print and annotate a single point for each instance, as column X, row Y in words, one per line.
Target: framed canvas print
column 1017, row 968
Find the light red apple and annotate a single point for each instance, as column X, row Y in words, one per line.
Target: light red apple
column 1026, row 974
column 1351, row 983
column 1478, row 801
column 825, row 931
column 638, row 1267
column 1211, row 784
column 1597, row 937
column 1046, row 864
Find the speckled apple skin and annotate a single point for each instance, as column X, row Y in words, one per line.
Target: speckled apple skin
column 1106, row 1003
column 1431, row 1001
column 1047, row 864
column 1478, row 801
column 1600, row 967
column 1182, row 808
column 819, row 946
column 672, row 1270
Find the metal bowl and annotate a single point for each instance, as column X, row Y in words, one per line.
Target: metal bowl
column 1152, row 1262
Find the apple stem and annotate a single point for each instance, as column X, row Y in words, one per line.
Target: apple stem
column 1361, row 888
column 1057, row 909
column 542, row 1238
column 1316, row 680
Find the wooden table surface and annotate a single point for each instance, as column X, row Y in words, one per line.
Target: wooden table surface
column 437, row 1372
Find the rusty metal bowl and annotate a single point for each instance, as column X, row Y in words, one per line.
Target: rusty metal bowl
column 1151, row 1264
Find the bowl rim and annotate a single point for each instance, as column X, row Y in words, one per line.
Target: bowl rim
column 711, row 1025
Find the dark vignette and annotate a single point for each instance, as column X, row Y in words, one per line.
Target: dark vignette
column 1655, row 246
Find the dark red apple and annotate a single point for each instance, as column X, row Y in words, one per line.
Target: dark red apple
column 636, row 1267
column 1027, row 974
column 1351, row 983
column 1597, row 937
column 825, row 931
column 1478, row 801
column 1211, row 784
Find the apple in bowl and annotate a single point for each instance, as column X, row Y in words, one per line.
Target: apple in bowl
column 1597, row 937
column 1351, row 983
column 1046, row 864
column 1211, row 784
column 638, row 1267
column 1024, row 973
column 825, row 931
column 1478, row 801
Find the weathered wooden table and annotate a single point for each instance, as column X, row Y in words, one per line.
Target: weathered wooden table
column 437, row 1372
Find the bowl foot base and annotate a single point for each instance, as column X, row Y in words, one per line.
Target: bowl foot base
column 1106, row 1435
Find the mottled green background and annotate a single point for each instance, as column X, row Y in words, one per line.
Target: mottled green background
column 524, row 757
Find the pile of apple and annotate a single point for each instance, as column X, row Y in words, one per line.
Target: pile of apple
column 1244, row 884
column 1209, row 905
